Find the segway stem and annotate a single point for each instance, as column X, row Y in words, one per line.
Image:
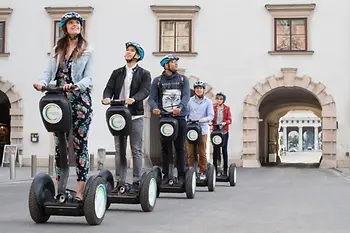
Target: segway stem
column 171, row 160
column 122, row 156
column 64, row 167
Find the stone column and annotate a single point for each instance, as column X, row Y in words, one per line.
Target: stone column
column 300, row 138
column 285, row 139
column 316, row 138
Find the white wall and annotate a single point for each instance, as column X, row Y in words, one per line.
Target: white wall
column 232, row 40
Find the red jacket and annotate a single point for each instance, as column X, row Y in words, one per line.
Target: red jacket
column 226, row 118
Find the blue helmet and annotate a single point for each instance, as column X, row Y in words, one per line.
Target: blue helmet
column 222, row 94
column 166, row 59
column 138, row 47
column 70, row 15
column 199, row 84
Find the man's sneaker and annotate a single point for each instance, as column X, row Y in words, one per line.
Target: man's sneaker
column 202, row 176
column 181, row 181
column 135, row 187
column 165, row 179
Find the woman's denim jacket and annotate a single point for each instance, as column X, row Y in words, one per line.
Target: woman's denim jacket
column 81, row 70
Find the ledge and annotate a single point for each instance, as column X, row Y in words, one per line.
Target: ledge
column 63, row 10
column 174, row 9
column 5, row 11
column 291, row 52
column 290, row 10
column 290, row 7
column 191, row 54
column 4, row 54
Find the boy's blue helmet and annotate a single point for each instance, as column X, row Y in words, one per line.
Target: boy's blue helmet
column 138, row 47
column 166, row 59
column 68, row 16
column 222, row 94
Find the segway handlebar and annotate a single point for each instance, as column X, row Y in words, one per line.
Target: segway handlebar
column 56, row 89
column 192, row 121
column 115, row 102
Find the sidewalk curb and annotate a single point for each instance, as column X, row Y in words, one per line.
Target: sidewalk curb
column 9, row 181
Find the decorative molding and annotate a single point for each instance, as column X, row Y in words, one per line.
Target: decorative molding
column 4, row 54
column 291, row 52
column 84, row 10
column 290, row 10
column 175, row 9
column 194, row 54
column 5, row 11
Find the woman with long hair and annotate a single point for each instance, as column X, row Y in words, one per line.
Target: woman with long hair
column 71, row 65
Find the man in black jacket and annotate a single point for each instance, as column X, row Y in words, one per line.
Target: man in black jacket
column 131, row 83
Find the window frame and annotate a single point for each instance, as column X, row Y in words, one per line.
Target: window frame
column 175, row 13
column 56, row 14
column 4, row 16
column 290, row 20
column 2, row 45
column 291, row 11
column 160, row 36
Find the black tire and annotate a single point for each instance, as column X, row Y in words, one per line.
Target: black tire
column 211, row 177
column 148, row 192
column 233, row 174
column 158, row 174
column 109, row 182
column 42, row 189
column 95, row 212
column 190, row 183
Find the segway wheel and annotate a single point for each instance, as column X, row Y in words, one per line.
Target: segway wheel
column 233, row 174
column 190, row 183
column 158, row 174
column 148, row 192
column 95, row 201
column 42, row 189
column 211, row 177
column 109, row 182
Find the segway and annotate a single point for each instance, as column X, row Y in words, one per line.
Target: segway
column 56, row 114
column 119, row 123
column 194, row 136
column 218, row 140
column 168, row 126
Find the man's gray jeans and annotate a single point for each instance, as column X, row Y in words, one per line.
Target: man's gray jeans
column 136, row 151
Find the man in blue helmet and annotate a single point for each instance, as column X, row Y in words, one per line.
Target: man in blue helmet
column 131, row 83
column 170, row 92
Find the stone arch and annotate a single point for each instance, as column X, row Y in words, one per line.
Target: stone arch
column 288, row 79
column 16, row 113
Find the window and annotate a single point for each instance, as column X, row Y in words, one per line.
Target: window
column 290, row 29
column 175, row 36
column 290, row 35
column 2, row 36
column 4, row 14
column 56, row 14
column 175, row 33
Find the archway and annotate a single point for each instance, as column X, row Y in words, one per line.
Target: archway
column 310, row 95
column 12, row 101
column 154, row 149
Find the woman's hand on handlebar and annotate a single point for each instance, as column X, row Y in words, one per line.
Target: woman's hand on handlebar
column 70, row 86
column 210, row 123
column 38, row 86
